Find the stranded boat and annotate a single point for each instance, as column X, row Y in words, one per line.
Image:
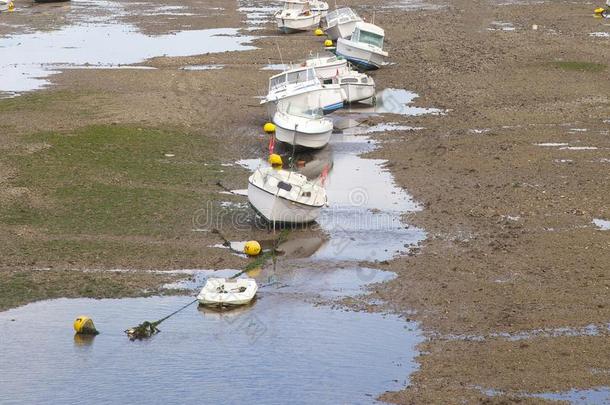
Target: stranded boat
column 327, row 67
column 340, row 23
column 357, row 86
column 281, row 196
column 365, row 48
column 227, row 292
column 300, row 86
column 297, row 15
column 302, row 127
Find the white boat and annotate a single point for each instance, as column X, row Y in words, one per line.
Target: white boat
column 297, row 15
column 227, row 292
column 319, row 6
column 4, row 5
column 327, row 67
column 281, row 196
column 357, row 86
column 365, row 48
column 340, row 23
column 300, row 86
column 302, row 127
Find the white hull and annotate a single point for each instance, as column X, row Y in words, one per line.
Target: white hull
column 344, row 30
column 362, row 55
column 225, row 292
column 328, row 97
column 306, row 140
column 280, row 210
column 300, row 23
column 358, row 92
column 332, row 69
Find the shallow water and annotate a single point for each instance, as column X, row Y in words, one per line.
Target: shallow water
column 395, row 101
column 279, row 350
column 27, row 59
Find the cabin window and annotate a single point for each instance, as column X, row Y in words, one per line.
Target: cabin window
column 277, row 82
column 371, row 39
column 349, row 80
column 364, row 80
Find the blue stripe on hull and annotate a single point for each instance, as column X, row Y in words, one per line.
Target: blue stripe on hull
column 333, row 107
column 361, row 63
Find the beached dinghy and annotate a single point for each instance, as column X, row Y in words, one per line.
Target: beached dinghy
column 340, row 23
column 227, row 292
column 280, row 196
column 300, row 86
column 297, row 126
column 357, row 86
column 297, row 15
column 365, row 48
column 327, row 67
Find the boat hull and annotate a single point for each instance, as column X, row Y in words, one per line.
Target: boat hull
column 329, row 98
column 363, row 58
column 297, row 24
column 304, row 139
column 343, row 30
column 279, row 210
column 356, row 92
column 328, row 71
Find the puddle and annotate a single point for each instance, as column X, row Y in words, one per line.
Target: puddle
column 276, row 66
column 273, row 351
column 257, row 15
column 364, row 217
column 578, row 397
column 578, row 148
column 600, row 34
column 551, row 144
column 589, row 330
column 383, row 127
column 26, row 60
column 598, row 395
column 602, row 224
column 501, row 26
column 395, row 101
column 409, row 5
column 202, row 67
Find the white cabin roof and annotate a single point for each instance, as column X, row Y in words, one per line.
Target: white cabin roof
column 372, row 28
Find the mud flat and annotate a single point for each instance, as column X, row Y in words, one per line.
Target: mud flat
column 511, row 285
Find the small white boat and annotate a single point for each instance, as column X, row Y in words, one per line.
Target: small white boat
column 300, row 86
column 327, row 67
column 319, row 6
column 227, row 292
column 297, row 15
column 281, row 196
column 340, row 23
column 302, row 127
column 365, row 48
column 357, row 86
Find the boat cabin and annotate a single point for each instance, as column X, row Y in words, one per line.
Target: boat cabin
column 301, row 77
column 368, row 34
column 341, row 16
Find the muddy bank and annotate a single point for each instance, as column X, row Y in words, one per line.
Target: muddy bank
column 510, row 180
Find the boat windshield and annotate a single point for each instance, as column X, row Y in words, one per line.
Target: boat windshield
column 368, row 38
column 300, row 110
column 292, row 77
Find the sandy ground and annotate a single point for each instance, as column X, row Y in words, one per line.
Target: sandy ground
column 511, row 247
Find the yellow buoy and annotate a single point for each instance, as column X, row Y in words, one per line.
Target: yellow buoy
column 599, row 10
column 83, row 324
column 252, row 248
column 328, row 43
column 269, row 127
column 11, row 6
column 318, row 32
column 275, row 160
